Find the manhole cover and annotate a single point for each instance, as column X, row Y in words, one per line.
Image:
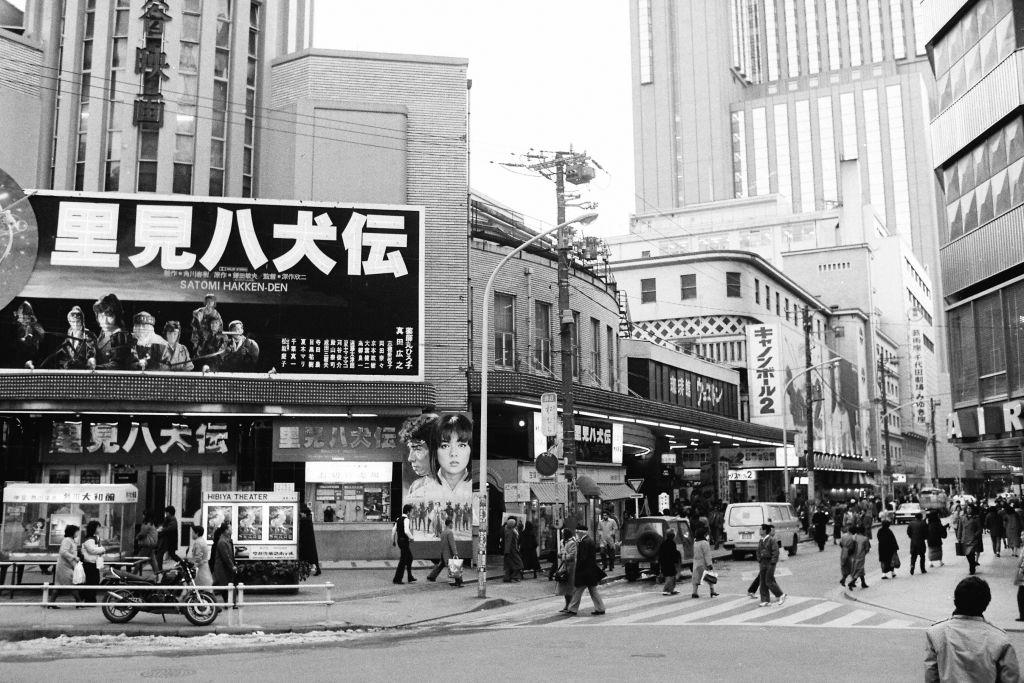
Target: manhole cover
column 167, row 672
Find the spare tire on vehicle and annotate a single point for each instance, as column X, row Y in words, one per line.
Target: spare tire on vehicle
column 647, row 544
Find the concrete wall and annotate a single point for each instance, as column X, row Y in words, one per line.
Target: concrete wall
column 20, row 108
column 385, row 128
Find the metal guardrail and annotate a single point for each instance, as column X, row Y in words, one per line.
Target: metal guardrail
column 235, row 605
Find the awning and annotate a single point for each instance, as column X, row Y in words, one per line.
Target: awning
column 617, row 492
column 549, row 492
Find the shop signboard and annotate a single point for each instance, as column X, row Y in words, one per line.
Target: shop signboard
column 742, row 475
column 764, row 347
column 326, row 440
column 142, row 441
column 549, row 413
column 693, row 458
column 317, row 289
column 264, row 524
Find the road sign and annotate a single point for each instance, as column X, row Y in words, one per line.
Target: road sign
column 635, row 483
column 549, row 414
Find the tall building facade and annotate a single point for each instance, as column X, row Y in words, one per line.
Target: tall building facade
column 799, row 86
column 977, row 136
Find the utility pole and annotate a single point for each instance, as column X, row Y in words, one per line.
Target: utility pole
column 883, row 373
column 935, row 446
column 809, row 391
column 575, row 168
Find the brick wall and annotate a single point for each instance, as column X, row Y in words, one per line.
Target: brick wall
column 433, row 92
column 587, row 295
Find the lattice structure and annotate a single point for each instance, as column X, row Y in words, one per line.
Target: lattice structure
column 692, row 329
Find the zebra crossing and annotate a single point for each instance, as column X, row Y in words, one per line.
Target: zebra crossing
column 628, row 605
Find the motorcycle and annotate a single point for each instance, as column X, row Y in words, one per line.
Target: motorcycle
column 180, row 594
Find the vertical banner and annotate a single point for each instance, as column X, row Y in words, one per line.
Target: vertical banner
column 764, row 370
column 917, row 375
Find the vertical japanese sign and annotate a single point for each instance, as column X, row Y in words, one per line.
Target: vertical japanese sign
column 764, row 369
column 176, row 284
column 917, row 375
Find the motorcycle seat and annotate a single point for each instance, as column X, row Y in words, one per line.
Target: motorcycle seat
column 131, row 578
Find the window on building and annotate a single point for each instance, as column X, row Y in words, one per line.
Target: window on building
column 576, row 351
column 988, row 316
column 767, row 297
column 757, row 291
column 645, row 254
column 963, row 354
column 732, row 285
column 787, row 309
column 504, row 330
column 648, row 290
column 249, row 128
column 778, row 306
column 188, row 99
column 1013, row 302
column 148, row 149
column 83, row 106
column 542, row 336
column 646, row 39
column 219, row 105
column 595, row 349
column 612, row 355
column 688, row 286
column 118, row 69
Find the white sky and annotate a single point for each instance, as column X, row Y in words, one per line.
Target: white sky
column 546, row 74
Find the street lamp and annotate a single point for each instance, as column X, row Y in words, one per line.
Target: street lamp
column 785, row 391
column 485, row 364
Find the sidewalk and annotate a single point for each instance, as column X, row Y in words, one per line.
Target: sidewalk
column 930, row 596
column 365, row 598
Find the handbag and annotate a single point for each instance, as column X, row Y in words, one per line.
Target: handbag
column 78, row 575
column 562, row 575
column 455, row 567
column 960, row 550
column 895, row 564
column 710, row 576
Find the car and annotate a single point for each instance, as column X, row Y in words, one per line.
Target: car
column 641, row 541
column 743, row 526
column 906, row 511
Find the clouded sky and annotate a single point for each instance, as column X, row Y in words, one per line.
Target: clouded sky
column 546, row 74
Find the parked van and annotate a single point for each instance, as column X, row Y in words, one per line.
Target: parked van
column 743, row 526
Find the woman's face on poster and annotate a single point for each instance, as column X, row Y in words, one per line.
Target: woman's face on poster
column 453, row 455
column 419, row 457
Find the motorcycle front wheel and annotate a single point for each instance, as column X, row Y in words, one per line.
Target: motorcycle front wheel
column 118, row 614
column 200, row 608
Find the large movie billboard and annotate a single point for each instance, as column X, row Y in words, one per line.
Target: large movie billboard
column 190, row 284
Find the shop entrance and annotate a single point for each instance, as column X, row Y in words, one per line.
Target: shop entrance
column 187, row 485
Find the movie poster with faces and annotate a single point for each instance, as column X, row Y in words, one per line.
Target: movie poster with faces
column 263, row 522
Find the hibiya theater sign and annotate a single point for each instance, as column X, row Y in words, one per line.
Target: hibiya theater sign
column 143, row 282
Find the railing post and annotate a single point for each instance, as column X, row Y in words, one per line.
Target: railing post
column 328, row 602
column 46, row 600
column 240, row 602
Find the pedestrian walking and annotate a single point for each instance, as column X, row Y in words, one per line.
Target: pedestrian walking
column 1018, row 581
column 668, row 560
column 223, row 559
column 608, row 535
column 866, row 521
column 401, row 534
column 701, row 562
column 67, row 558
column 92, row 559
column 588, row 573
column 918, row 533
column 510, row 550
column 307, row 539
column 847, row 545
column 972, row 538
column 850, row 515
column 888, row 550
column 819, row 522
column 966, row 647
column 146, row 542
column 936, row 533
column 861, row 547
column 1012, row 526
column 551, row 550
column 767, row 558
column 528, row 549
column 167, row 537
column 837, row 522
column 448, row 551
column 566, row 573
column 199, row 555
column 716, row 520
column 994, row 523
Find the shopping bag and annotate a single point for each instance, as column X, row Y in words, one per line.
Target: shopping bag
column 455, row 567
column 78, row 575
column 960, row 551
column 895, row 561
column 710, row 576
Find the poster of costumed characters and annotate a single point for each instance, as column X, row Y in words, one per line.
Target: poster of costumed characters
column 438, row 481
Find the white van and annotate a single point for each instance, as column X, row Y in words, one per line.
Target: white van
column 743, row 526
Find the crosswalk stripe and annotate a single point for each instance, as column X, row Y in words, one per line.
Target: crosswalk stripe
column 851, row 619
column 756, row 613
column 809, row 612
column 677, row 616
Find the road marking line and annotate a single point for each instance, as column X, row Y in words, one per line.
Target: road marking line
column 670, row 616
column 809, row 612
column 755, row 613
column 851, row 619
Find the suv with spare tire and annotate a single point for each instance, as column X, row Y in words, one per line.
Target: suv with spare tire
column 641, row 541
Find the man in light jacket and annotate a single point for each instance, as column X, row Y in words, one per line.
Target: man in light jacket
column 966, row 647
column 448, row 551
column 767, row 558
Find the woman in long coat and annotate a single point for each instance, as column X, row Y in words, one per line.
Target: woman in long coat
column 936, row 532
column 888, row 549
column 1011, row 522
column 199, row 555
column 837, row 522
column 701, row 561
column 224, row 559
column 819, row 522
column 846, row 548
column 307, row 539
column 528, row 549
column 668, row 560
column 67, row 558
column 567, row 566
column 861, row 546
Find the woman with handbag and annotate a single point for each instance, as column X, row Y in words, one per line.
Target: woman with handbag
column 668, row 560
column 92, row 559
column 565, row 576
column 936, row 532
column 701, row 560
column 888, row 550
column 67, row 559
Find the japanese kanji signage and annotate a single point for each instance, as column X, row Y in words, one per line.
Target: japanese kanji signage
column 764, row 369
column 305, row 441
column 917, row 375
column 141, row 441
column 301, row 288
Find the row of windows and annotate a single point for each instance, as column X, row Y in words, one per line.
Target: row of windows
column 794, row 238
column 993, row 47
column 969, row 32
column 917, row 277
column 916, row 304
column 986, row 339
column 603, row 356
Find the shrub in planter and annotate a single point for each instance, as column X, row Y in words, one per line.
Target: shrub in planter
column 269, row 573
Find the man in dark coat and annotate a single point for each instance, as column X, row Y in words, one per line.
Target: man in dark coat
column 510, row 549
column 588, row 573
column 887, row 550
column 167, row 536
column 994, row 524
column 819, row 524
column 972, row 538
column 307, row 539
column 917, row 530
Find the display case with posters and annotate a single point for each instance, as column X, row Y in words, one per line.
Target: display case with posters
column 36, row 515
column 264, row 524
